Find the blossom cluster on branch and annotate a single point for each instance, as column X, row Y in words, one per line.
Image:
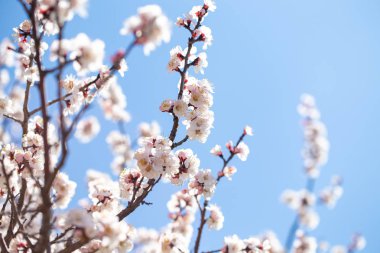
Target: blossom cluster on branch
column 35, row 192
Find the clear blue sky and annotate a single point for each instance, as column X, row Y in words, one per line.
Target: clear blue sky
column 265, row 54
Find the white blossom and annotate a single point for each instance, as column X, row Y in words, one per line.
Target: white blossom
column 87, row 129
column 150, row 27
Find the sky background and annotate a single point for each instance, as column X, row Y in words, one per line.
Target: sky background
column 265, row 54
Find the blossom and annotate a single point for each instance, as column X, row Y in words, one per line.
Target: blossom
column 103, row 192
column 298, row 199
column 19, row 244
column 248, row 130
column 88, row 54
column 129, row 180
column 338, row 249
column 176, row 61
column 309, row 218
column 232, row 244
column 149, row 130
column 216, row 218
column 304, row 244
column 228, row 171
column 242, row 151
column 5, row 105
column 216, row 150
column 114, row 233
column 199, row 128
column 204, row 34
column 64, row 190
column 166, row 105
column 155, row 158
column 200, row 62
column 31, row 74
column 113, row 101
column 119, row 62
column 69, row 83
column 81, row 219
column 202, row 183
column 316, row 144
column 209, row 5
column 188, row 166
column 331, row 194
column 26, row 26
column 79, row 7
column 7, row 57
column 172, row 243
column 180, row 108
column 358, row 243
column 150, row 27
column 87, row 129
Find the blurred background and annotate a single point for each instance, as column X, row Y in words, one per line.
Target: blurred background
column 265, row 54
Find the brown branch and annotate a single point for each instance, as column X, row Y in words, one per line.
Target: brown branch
column 139, row 200
column 226, row 161
column 201, row 226
column 2, row 245
column 73, row 247
column 61, row 64
column 61, row 235
column 213, row 251
column 97, row 78
column 205, row 203
column 176, row 144
column 12, row 118
column 14, row 214
column 191, row 41
column 45, row 229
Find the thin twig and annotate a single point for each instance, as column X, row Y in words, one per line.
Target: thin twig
column 12, row 118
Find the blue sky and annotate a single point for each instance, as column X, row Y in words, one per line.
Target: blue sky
column 265, row 54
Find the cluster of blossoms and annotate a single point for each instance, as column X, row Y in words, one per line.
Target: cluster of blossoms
column 315, row 154
column 203, row 183
column 266, row 243
column 176, row 236
column 332, row 193
column 155, row 158
column 150, row 26
column 195, row 96
column 28, row 160
column 316, row 148
column 194, row 106
column 33, row 186
column 97, row 221
column 303, row 202
column 53, row 13
column 113, row 102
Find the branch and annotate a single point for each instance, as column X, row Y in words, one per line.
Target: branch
column 310, row 185
column 205, row 203
column 139, row 200
column 73, row 247
column 201, row 226
column 112, row 70
column 2, row 245
column 12, row 118
column 191, row 41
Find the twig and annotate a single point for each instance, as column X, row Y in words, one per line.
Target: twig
column 112, row 69
column 191, row 41
column 2, row 245
column 12, row 118
column 205, row 203
column 176, row 144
